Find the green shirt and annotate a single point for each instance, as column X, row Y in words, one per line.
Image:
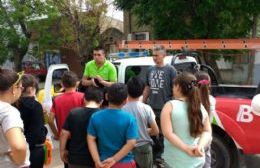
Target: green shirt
column 107, row 71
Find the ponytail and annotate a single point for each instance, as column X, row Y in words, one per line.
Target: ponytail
column 188, row 84
column 194, row 112
column 204, row 90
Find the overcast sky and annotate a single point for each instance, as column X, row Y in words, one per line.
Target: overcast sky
column 113, row 12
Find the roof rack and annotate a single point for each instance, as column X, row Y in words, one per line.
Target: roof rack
column 208, row 44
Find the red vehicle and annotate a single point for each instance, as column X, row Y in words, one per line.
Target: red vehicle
column 235, row 126
column 35, row 68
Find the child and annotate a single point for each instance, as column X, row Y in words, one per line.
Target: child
column 32, row 115
column 13, row 147
column 64, row 103
column 208, row 102
column 112, row 132
column 145, row 117
column 186, row 124
column 74, row 129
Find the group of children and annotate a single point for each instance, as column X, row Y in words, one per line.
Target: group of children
column 94, row 137
column 118, row 136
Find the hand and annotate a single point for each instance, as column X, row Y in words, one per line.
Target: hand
column 56, row 137
column 93, row 82
column 199, row 151
column 109, row 162
column 99, row 78
column 64, row 155
column 99, row 164
column 190, row 150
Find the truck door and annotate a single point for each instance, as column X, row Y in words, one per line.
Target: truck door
column 246, row 125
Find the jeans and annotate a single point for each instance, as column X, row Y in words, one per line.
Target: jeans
column 158, row 147
column 144, row 156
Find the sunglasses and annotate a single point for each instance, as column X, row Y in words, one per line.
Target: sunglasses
column 20, row 75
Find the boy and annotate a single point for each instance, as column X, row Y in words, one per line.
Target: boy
column 74, row 129
column 114, row 131
column 64, row 103
column 145, row 117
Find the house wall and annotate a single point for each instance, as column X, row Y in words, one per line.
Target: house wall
column 257, row 68
column 130, row 25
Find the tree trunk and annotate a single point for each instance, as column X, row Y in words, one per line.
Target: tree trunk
column 251, row 63
column 18, row 56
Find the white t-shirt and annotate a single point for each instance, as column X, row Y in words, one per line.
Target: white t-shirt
column 9, row 118
column 212, row 108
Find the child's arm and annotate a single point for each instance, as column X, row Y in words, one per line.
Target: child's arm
column 16, row 140
column 154, row 130
column 52, row 126
column 121, row 153
column 63, row 141
column 92, row 146
column 168, row 132
column 205, row 138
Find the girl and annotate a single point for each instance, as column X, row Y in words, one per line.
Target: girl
column 208, row 102
column 12, row 141
column 186, row 124
column 32, row 116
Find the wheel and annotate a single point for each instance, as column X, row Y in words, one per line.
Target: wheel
column 220, row 153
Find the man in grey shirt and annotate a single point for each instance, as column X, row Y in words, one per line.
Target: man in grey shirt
column 146, row 123
column 158, row 90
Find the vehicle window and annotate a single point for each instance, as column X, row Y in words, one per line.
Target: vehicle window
column 116, row 66
column 56, row 79
column 136, row 71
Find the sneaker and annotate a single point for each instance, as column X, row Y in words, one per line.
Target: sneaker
column 159, row 162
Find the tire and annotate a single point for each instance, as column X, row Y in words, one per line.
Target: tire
column 220, row 153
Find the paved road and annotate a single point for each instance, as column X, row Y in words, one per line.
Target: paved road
column 248, row 161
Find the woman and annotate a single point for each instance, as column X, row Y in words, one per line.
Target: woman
column 209, row 102
column 32, row 116
column 13, row 147
column 186, row 124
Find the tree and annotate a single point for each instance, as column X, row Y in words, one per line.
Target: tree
column 191, row 19
column 80, row 25
column 18, row 20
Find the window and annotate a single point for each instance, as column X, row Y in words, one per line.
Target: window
column 136, row 71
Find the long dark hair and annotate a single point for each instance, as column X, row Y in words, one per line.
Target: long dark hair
column 204, row 90
column 188, row 85
column 29, row 81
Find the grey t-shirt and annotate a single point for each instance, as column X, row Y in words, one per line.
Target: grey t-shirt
column 9, row 118
column 160, row 81
column 144, row 116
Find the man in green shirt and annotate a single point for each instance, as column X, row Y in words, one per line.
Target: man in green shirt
column 99, row 72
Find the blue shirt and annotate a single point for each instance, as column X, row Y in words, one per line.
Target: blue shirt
column 112, row 128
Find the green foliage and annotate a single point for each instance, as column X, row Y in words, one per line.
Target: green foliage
column 80, row 23
column 189, row 19
column 19, row 21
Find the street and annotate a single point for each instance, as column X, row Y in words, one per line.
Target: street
column 247, row 161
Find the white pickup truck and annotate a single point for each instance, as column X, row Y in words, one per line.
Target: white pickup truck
column 231, row 131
